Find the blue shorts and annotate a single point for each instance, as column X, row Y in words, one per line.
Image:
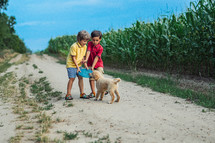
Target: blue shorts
column 72, row 72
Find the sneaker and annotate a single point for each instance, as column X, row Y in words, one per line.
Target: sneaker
column 68, row 97
column 92, row 94
column 84, row 96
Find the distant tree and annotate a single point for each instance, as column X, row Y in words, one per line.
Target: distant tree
column 8, row 38
column 3, row 4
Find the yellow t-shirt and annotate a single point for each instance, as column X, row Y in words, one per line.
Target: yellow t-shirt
column 79, row 52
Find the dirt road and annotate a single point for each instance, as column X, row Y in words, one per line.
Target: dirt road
column 142, row 115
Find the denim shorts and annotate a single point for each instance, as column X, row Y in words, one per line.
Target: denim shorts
column 72, row 72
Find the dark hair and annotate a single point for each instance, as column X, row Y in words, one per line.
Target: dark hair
column 83, row 35
column 96, row 33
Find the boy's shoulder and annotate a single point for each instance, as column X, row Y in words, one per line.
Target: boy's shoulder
column 100, row 46
column 74, row 44
column 90, row 43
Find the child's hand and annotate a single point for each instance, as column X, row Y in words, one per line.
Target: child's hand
column 90, row 68
column 78, row 70
column 84, row 61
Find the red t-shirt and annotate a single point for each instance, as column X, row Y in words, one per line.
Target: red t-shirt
column 95, row 51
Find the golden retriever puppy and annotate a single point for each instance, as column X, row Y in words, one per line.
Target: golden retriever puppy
column 105, row 84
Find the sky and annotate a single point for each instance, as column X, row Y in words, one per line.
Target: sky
column 40, row 20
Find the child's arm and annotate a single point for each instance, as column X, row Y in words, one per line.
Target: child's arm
column 94, row 62
column 87, row 57
column 88, row 52
column 75, row 62
column 99, row 54
column 85, row 63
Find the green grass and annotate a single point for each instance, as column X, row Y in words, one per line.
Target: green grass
column 42, row 90
column 6, row 56
column 35, row 66
column 4, row 66
column 70, row 105
column 45, row 122
column 87, row 134
column 48, row 107
column 70, row 136
column 105, row 139
column 168, row 86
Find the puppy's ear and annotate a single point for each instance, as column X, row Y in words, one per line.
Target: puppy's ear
column 95, row 75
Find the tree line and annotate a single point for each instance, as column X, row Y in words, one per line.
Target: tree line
column 8, row 37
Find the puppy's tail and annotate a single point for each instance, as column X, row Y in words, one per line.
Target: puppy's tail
column 116, row 80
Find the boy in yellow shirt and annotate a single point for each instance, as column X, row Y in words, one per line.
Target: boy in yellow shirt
column 74, row 62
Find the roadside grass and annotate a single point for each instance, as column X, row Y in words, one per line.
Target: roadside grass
column 23, row 59
column 5, row 57
column 70, row 136
column 105, row 139
column 43, row 92
column 35, row 66
column 32, row 122
column 4, row 66
column 168, row 86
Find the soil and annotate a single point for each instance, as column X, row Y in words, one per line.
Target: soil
column 142, row 115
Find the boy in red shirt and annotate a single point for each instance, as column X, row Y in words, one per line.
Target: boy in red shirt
column 93, row 57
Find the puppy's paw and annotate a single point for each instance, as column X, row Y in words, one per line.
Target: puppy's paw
column 116, row 100
column 110, row 102
column 100, row 99
column 95, row 99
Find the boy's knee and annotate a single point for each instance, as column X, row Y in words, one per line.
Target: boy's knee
column 80, row 78
column 71, row 79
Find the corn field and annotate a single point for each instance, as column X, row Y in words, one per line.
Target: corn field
column 182, row 44
column 61, row 45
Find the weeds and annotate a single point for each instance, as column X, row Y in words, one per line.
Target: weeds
column 19, row 127
column 87, row 134
column 28, row 128
column 35, row 66
column 5, row 57
column 43, row 92
column 103, row 139
column 16, row 139
column 70, row 105
column 168, row 86
column 48, row 107
column 70, row 136
column 30, row 114
column 23, row 59
column 45, row 122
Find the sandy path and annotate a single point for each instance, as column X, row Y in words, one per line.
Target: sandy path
column 142, row 115
column 7, row 122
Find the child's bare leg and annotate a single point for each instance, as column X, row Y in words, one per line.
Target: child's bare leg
column 69, row 85
column 92, row 86
column 81, row 84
